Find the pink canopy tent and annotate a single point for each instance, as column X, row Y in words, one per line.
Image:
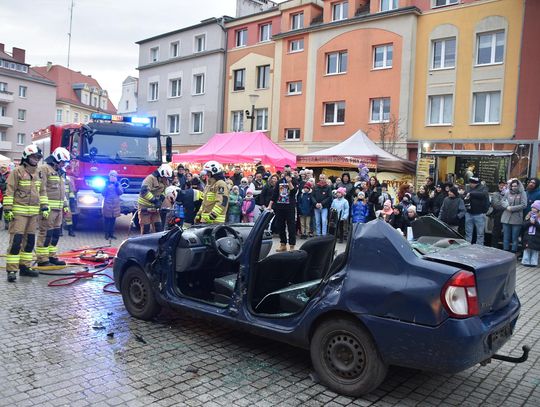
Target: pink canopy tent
column 241, row 147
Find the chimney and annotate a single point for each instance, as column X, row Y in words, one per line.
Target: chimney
column 49, row 66
column 19, row 55
column 2, row 47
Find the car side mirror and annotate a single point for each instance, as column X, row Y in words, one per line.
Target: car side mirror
column 168, row 149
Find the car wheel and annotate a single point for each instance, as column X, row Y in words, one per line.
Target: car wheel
column 346, row 358
column 138, row 294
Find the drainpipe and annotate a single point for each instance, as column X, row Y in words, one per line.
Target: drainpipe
column 221, row 120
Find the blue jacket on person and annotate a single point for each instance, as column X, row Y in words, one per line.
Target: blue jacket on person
column 532, row 196
column 305, row 205
column 360, row 212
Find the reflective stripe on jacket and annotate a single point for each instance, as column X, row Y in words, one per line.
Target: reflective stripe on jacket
column 25, row 191
column 56, row 191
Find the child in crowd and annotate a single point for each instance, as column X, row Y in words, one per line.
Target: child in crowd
column 410, row 217
column 386, row 212
column 305, row 210
column 248, row 207
column 384, row 196
column 111, row 204
column 341, row 206
column 396, row 219
column 532, row 236
column 235, row 205
column 360, row 208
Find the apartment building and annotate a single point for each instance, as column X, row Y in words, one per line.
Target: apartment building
column 27, row 102
column 128, row 101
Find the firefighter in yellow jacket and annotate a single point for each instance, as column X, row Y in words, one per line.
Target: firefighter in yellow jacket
column 25, row 198
column 151, row 198
column 216, row 195
column 50, row 228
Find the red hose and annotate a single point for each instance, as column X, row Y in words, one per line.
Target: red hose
column 79, row 275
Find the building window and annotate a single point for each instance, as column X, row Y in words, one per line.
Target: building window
column 21, row 115
column 200, row 43
column 153, row 121
column 261, row 119
column 440, row 109
column 3, row 111
column 334, row 113
column 3, row 135
column 174, row 123
column 22, row 91
column 75, row 117
column 198, row 84
column 175, row 49
column 336, row 62
column 197, row 122
column 20, row 139
column 153, row 91
column 85, row 98
column 444, row 53
column 239, row 77
column 241, row 37
column 380, row 110
column 387, row 5
column 340, row 11
column 3, row 87
column 439, row 3
column 294, row 88
column 175, row 87
column 296, row 45
column 59, row 115
column 154, row 54
column 104, row 104
column 127, row 105
column 297, row 21
column 487, row 107
column 265, row 32
column 263, row 77
column 292, row 134
column 490, row 48
column 237, row 120
column 382, row 56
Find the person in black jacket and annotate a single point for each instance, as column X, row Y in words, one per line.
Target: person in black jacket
column 452, row 209
column 322, row 199
column 531, row 237
column 477, row 204
column 284, row 204
column 437, row 198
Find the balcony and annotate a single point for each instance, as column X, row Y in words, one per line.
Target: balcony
column 6, row 121
column 6, row 96
column 5, row 145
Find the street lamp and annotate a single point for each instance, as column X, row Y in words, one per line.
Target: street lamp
column 252, row 98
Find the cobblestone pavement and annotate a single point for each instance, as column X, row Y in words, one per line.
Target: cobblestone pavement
column 53, row 355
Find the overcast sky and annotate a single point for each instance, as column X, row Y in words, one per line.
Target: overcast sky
column 104, row 32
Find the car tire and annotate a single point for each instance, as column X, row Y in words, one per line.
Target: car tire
column 346, row 358
column 138, row 294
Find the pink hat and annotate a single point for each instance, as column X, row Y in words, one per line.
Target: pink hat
column 249, row 191
column 387, row 207
column 308, row 185
column 342, row 191
column 536, row 205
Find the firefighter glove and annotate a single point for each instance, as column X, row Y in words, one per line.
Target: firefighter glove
column 45, row 212
column 66, row 209
column 8, row 216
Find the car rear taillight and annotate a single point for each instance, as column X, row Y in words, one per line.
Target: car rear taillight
column 459, row 295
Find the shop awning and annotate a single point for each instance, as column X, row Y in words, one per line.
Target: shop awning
column 469, row 153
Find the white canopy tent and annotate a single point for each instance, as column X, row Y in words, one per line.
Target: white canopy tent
column 4, row 159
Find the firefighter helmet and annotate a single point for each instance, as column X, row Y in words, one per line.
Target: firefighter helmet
column 213, row 168
column 31, row 150
column 165, row 171
column 61, row 154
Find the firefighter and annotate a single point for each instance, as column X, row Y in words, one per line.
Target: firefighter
column 151, row 197
column 25, row 196
column 216, row 195
column 50, row 227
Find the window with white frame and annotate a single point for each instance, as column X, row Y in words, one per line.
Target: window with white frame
column 487, row 107
column 95, row 101
column 154, row 54
column 297, row 21
column 104, row 104
column 440, row 109
column 261, row 119
column 3, row 135
column 444, row 53
column 22, row 91
column 3, row 87
column 334, row 113
column 439, row 3
column 21, row 139
column 198, row 84
column 75, row 117
column 387, row 5
column 174, row 49
column 296, row 45
column 174, row 123
column 237, row 120
column 383, row 56
column 153, row 121
column 265, row 32
column 85, row 98
column 21, row 115
column 153, row 89
column 200, row 43
column 3, row 111
column 263, row 77
column 175, row 87
column 59, row 115
column 241, row 37
column 294, row 88
column 336, row 62
column 239, row 78
column 197, row 122
column 340, row 11
column 292, row 134
column 490, row 48
column 380, row 110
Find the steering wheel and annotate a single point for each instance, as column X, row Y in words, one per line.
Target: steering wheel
column 227, row 242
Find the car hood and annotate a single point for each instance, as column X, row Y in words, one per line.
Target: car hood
column 134, row 245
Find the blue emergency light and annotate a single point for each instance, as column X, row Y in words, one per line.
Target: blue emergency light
column 120, row 118
column 97, row 183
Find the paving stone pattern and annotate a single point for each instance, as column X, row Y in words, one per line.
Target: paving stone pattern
column 55, row 351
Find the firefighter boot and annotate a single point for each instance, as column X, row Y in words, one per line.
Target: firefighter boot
column 27, row 271
column 55, row 261
column 282, row 248
column 11, row 276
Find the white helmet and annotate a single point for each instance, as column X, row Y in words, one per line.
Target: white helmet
column 213, row 167
column 31, row 150
column 61, row 154
column 171, row 190
column 165, row 171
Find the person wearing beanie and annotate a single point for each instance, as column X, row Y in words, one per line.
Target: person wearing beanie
column 437, row 198
column 406, row 201
column 360, row 209
column 477, row 204
column 452, row 209
column 305, row 210
column 248, row 207
column 409, row 216
column 396, row 220
column 531, row 237
column 244, row 185
column 386, row 212
column 341, row 206
column 111, row 204
column 514, row 202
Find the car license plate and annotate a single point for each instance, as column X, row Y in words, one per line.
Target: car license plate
column 500, row 336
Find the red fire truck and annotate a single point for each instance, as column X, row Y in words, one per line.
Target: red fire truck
column 109, row 142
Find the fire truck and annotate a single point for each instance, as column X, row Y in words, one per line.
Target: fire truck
column 108, row 142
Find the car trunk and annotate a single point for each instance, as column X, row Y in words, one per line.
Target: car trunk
column 495, row 272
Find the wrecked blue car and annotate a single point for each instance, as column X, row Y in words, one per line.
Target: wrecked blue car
column 434, row 303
